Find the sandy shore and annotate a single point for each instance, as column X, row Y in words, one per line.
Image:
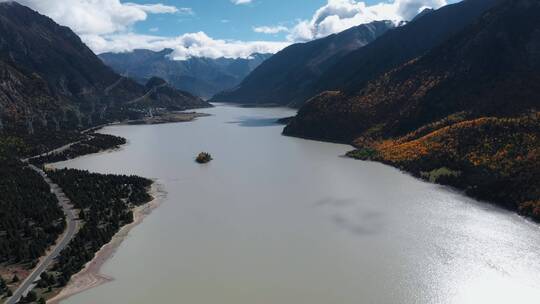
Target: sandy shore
column 90, row 276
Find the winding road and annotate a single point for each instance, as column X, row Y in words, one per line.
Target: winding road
column 71, row 216
column 57, row 150
column 71, row 220
column 151, row 91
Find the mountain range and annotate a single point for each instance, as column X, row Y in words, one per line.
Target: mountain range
column 286, row 78
column 345, row 61
column 451, row 96
column 200, row 76
column 49, row 79
column 465, row 113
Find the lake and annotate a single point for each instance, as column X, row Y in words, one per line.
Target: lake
column 280, row 220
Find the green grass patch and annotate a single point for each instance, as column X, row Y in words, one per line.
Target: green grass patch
column 435, row 175
column 364, row 153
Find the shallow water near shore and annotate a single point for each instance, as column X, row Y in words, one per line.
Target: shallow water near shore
column 275, row 219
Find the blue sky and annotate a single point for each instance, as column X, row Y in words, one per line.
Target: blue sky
column 217, row 28
column 225, row 20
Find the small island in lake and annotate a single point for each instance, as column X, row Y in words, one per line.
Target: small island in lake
column 203, row 158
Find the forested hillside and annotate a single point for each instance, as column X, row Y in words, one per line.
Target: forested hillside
column 50, row 80
column 470, row 106
column 30, row 216
column 495, row 159
column 105, row 203
column 346, row 61
column 91, row 143
column 51, row 88
column 399, row 46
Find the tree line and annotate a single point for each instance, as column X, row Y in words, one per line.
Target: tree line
column 105, row 203
column 30, row 217
column 494, row 159
column 94, row 143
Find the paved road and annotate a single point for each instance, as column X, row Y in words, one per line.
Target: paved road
column 71, row 221
column 57, row 150
column 151, row 91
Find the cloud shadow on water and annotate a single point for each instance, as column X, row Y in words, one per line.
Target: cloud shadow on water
column 352, row 217
column 256, row 122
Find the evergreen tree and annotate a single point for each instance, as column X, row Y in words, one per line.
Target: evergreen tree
column 31, row 296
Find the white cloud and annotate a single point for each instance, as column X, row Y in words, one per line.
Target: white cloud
column 270, row 29
column 339, row 15
column 186, row 10
column 154, row 8
column 106, row 25
column 97, row 17
column 184, row 46
column 238, row 2
column 410, row 8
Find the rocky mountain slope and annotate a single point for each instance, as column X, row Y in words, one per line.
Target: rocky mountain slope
column 490, row 68
column 398, row 46
column 287, row 76
column 466, row 113
column 291, row 77
column 51, row 80
column 202, row 77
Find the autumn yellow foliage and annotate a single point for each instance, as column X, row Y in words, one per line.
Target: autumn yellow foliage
column 493, row 158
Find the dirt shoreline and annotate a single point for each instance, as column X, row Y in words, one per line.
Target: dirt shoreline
column 90, row 277
column 163, row 118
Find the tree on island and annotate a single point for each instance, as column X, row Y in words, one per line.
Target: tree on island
column 203, row 158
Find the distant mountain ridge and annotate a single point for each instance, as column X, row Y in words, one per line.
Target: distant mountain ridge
column 400, row 45
column 490, row 68
column 287, row 76
column 202, row 77
column 50, row 79
column 282, row 80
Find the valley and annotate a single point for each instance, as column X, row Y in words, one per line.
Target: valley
column 334, row 228
column 375, row 152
